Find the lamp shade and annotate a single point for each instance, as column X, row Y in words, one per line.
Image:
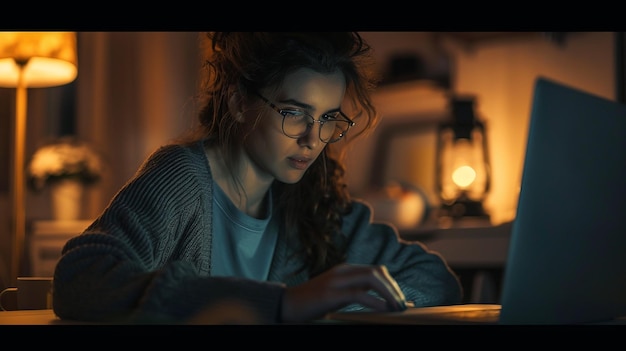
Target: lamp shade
column 48, row 58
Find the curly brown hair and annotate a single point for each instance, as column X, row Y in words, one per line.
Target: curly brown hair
column 247, row 62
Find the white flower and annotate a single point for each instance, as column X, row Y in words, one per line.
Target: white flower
column 65, row 158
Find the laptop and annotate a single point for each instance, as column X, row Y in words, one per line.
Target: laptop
column 566, row 260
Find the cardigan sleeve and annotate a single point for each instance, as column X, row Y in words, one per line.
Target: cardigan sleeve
column 423, row 275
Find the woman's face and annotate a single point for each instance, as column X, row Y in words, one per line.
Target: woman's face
column 274, row 155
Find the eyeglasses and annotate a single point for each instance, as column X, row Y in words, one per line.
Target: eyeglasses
column 297, row 123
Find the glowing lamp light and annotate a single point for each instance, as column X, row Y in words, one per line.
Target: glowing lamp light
column 464, row 176
column 38, row 59
column 462, row 170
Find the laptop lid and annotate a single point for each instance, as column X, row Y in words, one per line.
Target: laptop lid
column 567, row 254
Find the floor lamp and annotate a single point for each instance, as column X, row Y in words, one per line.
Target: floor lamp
column 37, row 60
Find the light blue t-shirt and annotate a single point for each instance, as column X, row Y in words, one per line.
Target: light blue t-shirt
column 243, row 246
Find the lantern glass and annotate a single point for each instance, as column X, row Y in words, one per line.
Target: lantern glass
column 463, row 167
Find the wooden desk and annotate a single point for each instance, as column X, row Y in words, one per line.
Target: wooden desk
column 47, row 317
column 30, row 317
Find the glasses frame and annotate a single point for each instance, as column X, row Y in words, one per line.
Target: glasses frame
column 283, row 112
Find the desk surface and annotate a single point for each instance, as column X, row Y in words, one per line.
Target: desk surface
column 30, row 317
column 47, row 317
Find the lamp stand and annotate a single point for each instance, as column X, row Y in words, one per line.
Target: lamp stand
column 19, row 217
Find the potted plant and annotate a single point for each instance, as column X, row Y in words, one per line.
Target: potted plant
column 66, row 165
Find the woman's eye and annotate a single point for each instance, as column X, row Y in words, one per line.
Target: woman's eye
column 293, row 114
column 330, row 117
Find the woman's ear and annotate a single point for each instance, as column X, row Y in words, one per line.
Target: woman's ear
column 235, row 106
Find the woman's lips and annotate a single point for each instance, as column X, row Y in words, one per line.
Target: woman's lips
column 300, row 163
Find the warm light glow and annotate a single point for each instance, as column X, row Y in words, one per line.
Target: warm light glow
column 462, row 167
column 31, row 59
column 464, row 176
column 50, row 58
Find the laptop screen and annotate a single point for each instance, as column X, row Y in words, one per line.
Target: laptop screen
column 567, row 254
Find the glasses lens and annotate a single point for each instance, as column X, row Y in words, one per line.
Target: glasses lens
column 332, row 131
column 297, row 125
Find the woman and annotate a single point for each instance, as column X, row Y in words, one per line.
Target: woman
column 252, row 211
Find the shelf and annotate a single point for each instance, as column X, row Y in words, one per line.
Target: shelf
column 470, row 247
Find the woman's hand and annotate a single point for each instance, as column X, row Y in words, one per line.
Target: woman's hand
column 338, row 287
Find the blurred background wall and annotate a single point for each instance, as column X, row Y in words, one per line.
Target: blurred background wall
column 499, row 72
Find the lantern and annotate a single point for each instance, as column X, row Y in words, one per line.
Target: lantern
column 462, row 171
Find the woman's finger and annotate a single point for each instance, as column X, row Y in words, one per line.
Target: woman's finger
column 362, row 279
column 392, row 286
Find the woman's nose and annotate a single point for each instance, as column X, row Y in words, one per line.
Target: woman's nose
column 312, row 137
